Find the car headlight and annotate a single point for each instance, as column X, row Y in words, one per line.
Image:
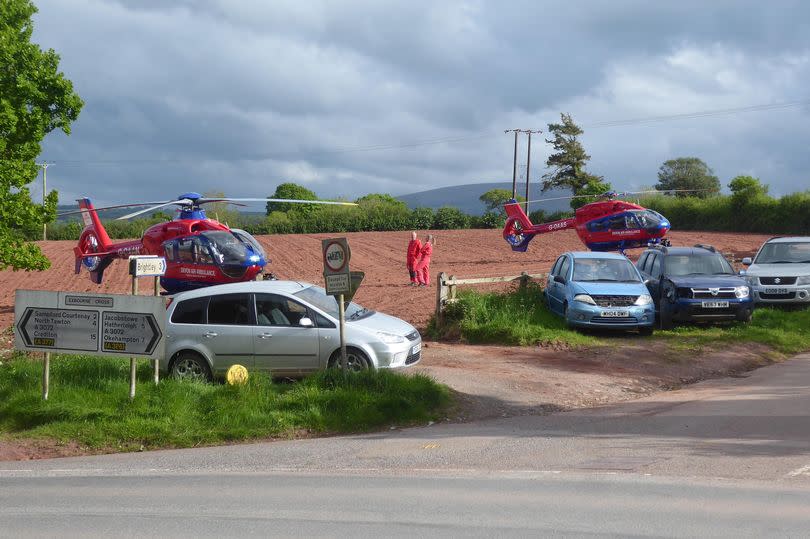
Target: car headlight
column 390, row 338
column 643, row 299
column 742, row 291
column 584, row 298
column 803, row 280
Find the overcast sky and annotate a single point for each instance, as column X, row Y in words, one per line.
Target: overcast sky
column 238, row 96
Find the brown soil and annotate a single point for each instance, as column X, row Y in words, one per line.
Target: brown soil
column 496, row 381
column 490, row 381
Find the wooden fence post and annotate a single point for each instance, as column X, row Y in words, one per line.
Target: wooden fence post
column 524, row 280
column 441, row 297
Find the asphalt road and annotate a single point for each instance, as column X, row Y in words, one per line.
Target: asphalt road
column 727, row 457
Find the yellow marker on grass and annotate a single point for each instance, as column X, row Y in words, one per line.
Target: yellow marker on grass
column 237, row 374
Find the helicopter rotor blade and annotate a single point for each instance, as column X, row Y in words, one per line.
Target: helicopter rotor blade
column 117, row 206
column 290, row 200
column 181, row 202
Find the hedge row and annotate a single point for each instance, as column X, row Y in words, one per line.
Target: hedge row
column 365, row 217
column 763, row 214
column 789, row 214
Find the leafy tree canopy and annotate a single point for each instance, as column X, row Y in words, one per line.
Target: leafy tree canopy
column 380, row 198
column 688, row 173
column 494, row 199
column 35, row 99
column 567, row 163
column 292, row 191
column 747, row 186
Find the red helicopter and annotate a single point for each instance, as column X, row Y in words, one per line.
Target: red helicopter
column 199, row 251
column 604, row 225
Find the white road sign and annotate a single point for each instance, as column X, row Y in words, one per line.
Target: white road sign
column 336, row 255
column 147, row 266
column 102, row 324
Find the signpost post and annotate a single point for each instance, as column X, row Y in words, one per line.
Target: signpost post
column 145, row 266
column 100, row 324
column 336, row 255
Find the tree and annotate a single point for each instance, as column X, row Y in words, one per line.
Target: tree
column 494, row 199
column 747, row 187
column 422, row 218
column 292, row 191
column 690, row 174
column 450, row 218
column 567, row 164
column 35, row 99
column 221, row 211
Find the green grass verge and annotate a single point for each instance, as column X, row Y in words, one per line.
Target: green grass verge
column 89, row 404
column 520, row 317
column 786, row 331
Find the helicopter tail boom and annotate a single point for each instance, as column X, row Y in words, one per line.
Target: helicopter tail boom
column 95, row 250
column 519, row 230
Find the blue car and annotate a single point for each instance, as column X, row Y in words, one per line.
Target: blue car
column 600, row 290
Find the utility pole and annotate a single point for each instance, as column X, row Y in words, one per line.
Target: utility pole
column 514, row 162
column 44, row 166
column 528, row 164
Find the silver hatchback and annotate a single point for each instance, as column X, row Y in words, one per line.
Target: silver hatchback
column 284, row 327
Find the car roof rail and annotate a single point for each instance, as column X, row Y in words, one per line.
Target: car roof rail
column 705, row 246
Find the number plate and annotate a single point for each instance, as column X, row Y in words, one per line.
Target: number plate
column 615, row 314
column 416, row 349
column 776, row 290
column 714, row 304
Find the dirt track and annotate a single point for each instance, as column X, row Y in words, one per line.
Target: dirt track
column 464, row 253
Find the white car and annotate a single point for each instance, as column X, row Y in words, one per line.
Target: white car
column 284, row 327
column 780, row 273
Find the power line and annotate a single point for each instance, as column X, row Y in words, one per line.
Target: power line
column 71, row 163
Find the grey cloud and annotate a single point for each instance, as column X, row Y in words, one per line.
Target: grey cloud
column 239, row 96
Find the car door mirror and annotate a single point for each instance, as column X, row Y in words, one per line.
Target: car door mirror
column 746, row 261
column 559, row 279
column 306, row 322
column 647, row 281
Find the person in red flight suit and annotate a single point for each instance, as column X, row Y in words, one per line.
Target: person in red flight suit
column 423, row 264
column 414, row 248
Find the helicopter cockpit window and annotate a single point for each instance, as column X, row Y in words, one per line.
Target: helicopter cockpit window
column 649, row 218
column 192, row 250
column 168, row 250
column 598, row 226
column 621, row 222
column 226, row 248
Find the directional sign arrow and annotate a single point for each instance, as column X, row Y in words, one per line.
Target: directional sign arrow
column 69, row 329
column 130, row 333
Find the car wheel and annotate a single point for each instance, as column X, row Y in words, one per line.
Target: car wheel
column 745, row 318
column 565, row 315
column 356, row 360
column 191, row 366
column 645, row 331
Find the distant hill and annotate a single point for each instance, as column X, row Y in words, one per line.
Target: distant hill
column 465, row 197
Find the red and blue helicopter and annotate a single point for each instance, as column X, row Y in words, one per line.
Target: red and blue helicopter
column 605, row 225
column 199, row 251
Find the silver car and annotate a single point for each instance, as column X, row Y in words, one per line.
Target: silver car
column 284, row 327
column 780, row 273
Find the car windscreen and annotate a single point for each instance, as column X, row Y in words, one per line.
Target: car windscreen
column 675, row 265
column 317, row 297
column 784, row 253
column 226, row 248
column 604, row 270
